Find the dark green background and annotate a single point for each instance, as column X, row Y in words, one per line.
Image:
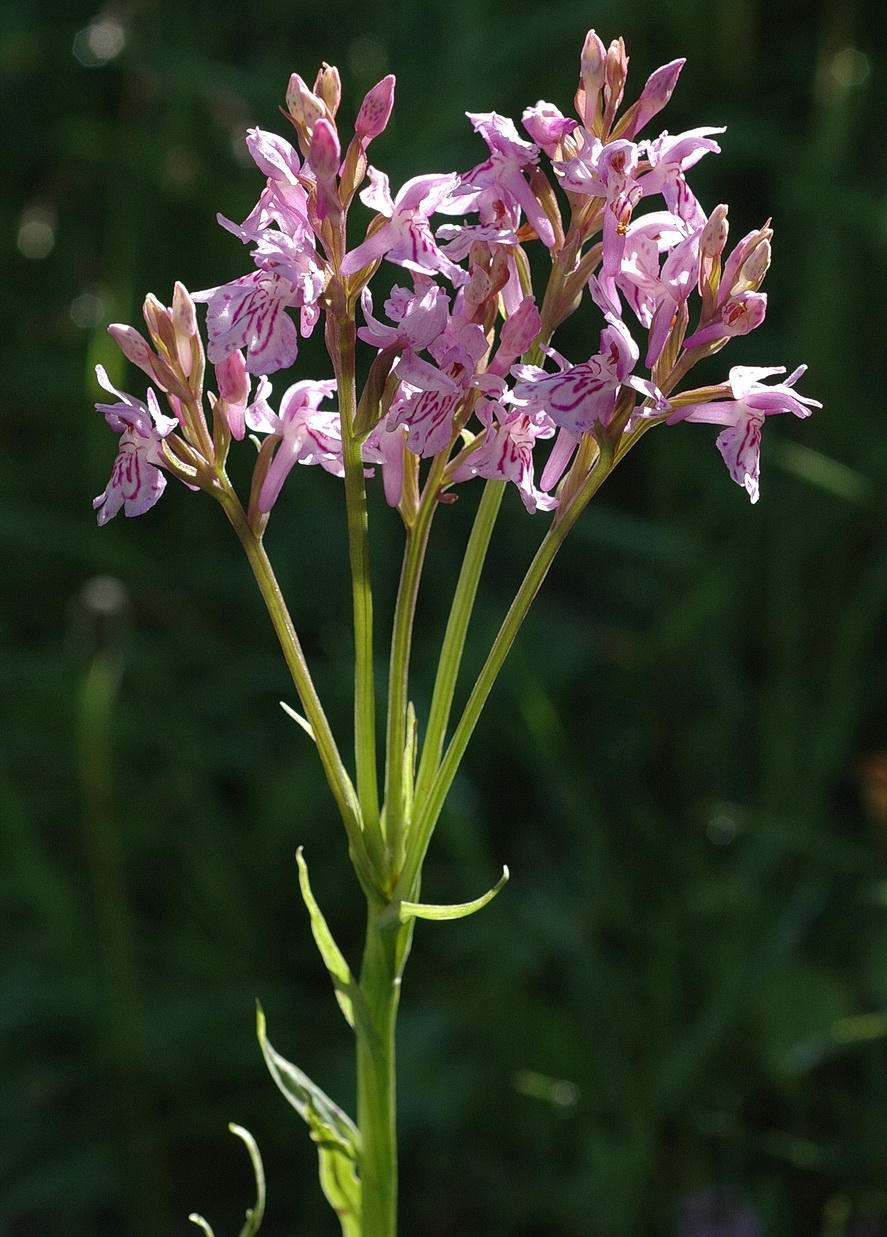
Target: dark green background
column 685, row 763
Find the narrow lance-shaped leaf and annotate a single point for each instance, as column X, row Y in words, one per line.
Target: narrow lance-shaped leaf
column 351, row 1000
column 422, row 910
column 253, row 1214
column 336, row 1135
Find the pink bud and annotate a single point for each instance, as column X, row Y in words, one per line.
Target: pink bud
column 754, row 268
column 232, row 379
column 656, row 93
column 133, row 345
column 375, row 111
column 233, row 382
column 591, row 79
column 478, row 288
column 547, row 125
column 325, row 152
column 731, row 280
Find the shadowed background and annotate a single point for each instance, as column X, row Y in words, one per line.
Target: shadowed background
column 684, row 986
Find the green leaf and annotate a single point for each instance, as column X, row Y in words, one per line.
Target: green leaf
column 351, row 1000
column 336, row 1135
column 299, row 719
column 254, row 1214
column 422, row 910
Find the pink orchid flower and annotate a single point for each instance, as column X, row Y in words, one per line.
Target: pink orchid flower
column 308, row 435
column 406, row 237
column 136, row 480
column 743, row 415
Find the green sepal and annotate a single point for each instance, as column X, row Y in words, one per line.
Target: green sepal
column 422, row 910
column 336, row 1135
column 351, row 1000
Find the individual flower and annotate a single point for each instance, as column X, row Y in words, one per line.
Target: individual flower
column 421, row 315
column 405, row 238
column 505, row 452
column 284, row 200
column 659, row 295
column 669, row 157
column 308, row 435
column 136, row 480
column 430, row 395
column 250, row 313
column 499, row 188
column 580, row 396
column 743, row 416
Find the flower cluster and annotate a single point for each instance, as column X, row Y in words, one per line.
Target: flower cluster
column 464, row 372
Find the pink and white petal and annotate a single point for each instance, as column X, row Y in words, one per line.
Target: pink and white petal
column 740, row 445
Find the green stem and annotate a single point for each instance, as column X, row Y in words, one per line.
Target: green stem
column 423, row 826
column 336, row 774
column 396, row 774
column 454, row 636
column 385, row 951
column 343, row 353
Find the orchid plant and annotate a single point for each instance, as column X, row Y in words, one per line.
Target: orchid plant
column 462, row 382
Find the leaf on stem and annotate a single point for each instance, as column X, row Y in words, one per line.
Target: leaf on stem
column 297, row 717
column 336, row 1135
column 253, row 1214
column 422, row 910
column 201, row 1224
column 351, row 1000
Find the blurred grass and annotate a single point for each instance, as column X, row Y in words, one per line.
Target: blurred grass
column 685, row 764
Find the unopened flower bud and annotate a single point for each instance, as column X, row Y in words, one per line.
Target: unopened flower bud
column 232, row 379
column 325, row 152
column 159, row 322
column 592, row 63
column 233, row 383
column 616, row 72
column 547, row 125
column 375, row 111
column 184, row 315
column 303, row 106
column 592, row 75
column 656, row 93
column 133, row 345
column 754, row 268
column 328, row 87
column 732, row 280
column 714, row 234
column 478, row 288
column 711, row 246
column 521, row 328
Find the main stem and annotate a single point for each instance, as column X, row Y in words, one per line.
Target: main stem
column 387, row 942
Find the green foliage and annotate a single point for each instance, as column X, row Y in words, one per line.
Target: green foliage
column 683, row 765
